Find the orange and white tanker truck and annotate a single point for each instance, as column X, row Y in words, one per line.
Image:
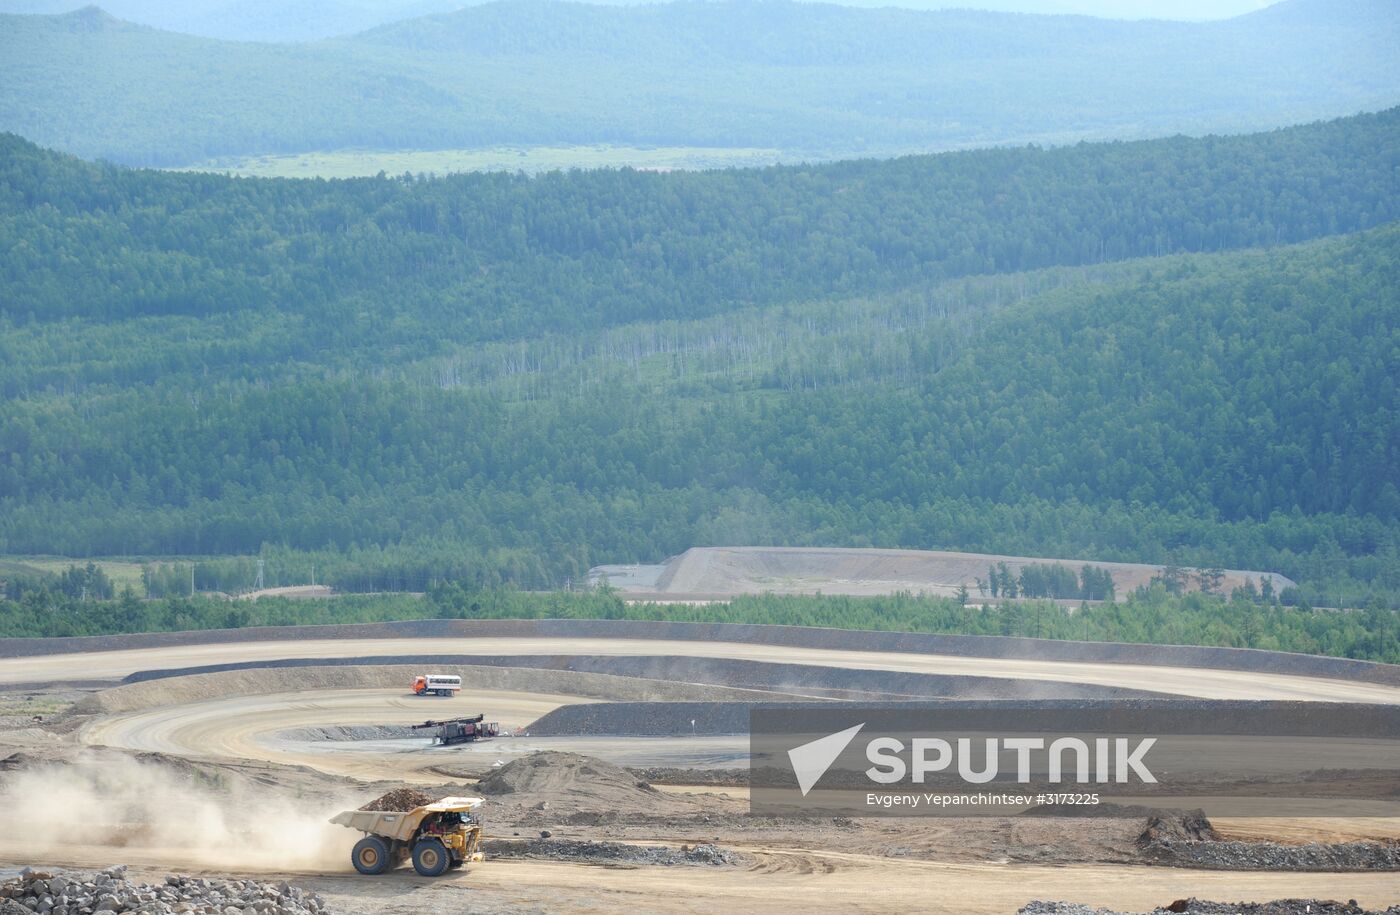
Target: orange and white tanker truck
column 436, row 685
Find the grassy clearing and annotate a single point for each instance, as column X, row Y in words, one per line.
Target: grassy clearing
column 27, row 706
column 359, row 163
column 122, row 572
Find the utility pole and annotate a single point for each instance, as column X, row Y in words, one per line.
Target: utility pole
column 258, row 585
column 313, row 574
column 191, row 579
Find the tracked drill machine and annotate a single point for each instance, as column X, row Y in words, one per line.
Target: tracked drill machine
column 460, row 730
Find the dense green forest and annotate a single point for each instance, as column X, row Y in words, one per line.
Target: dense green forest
column 500, row 380
column 808, row 78
column 1150, row 616
column 476, row 257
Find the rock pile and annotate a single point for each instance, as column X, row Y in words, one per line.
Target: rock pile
column 1191, row 841
column 400, row 799
column 1346, row 856
column 1188, row 827
column 1205, row 907
column 109, row 892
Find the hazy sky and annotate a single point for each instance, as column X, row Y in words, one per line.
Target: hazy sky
column 1116, row 9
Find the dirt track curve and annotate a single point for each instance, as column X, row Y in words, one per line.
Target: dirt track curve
column 1185, row 681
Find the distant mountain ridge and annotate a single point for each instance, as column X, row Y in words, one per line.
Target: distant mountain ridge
column 249, row 20
column 311, row 20
column 767, row 30
column 780, row 32
column 812, row 80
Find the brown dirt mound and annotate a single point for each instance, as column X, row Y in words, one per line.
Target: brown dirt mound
column 554, row 772
column 557, row 784
column 400, row 799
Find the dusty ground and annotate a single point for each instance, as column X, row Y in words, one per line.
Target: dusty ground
column 783, row 881
column 964, row 866
column 146, row 766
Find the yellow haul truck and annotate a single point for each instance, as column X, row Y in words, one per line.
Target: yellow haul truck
column 438, row 836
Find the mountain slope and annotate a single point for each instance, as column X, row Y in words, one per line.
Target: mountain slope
column 1218, row 409
column 807, row 78
column 498, row 378
column 496, row 256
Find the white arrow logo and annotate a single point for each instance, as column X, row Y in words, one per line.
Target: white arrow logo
column 811, row 760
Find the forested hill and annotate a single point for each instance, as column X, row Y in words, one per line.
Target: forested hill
column 494, row 378
column 478, row 257
column 805, row 78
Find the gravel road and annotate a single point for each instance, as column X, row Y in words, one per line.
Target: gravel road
column 1202, row 683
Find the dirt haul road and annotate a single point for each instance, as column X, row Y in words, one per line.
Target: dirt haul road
column 265, row 728
column 789, row 880
column 249, row 727
column 1195, row 682
column 254, row 727
column 778, row 880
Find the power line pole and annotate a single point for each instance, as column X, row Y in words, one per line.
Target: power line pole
column 191, row 579
column 257, row 585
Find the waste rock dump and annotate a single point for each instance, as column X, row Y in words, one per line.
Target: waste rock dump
column 45, row 893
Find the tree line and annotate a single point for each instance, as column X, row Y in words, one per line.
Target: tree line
column 1150, row 615
column 1048, row 580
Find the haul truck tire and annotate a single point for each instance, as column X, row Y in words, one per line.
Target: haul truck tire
column 371, row 855
column 430, row 858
